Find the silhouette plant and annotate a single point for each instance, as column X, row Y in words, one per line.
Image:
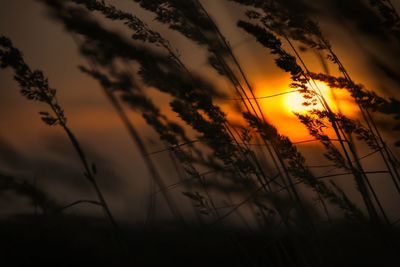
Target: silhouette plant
column 226, row 164
column 35, row 87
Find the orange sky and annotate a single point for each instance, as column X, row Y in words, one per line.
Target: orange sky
column 47, row 47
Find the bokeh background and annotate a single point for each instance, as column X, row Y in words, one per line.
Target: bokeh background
column 29, row 149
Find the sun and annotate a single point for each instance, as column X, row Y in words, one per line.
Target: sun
column 294, row 101
column 279, row 103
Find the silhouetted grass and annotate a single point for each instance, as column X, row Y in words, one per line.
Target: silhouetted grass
column 215, row 159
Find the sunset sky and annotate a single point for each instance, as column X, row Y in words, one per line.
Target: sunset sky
column 40, row 152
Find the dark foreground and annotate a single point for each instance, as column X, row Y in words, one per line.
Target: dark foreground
column 73, row 241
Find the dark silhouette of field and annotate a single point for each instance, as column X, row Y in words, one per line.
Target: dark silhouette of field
column 81, row 241
column 212, row 171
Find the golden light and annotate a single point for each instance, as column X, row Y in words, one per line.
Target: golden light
column 279, row 108
column 294, row 102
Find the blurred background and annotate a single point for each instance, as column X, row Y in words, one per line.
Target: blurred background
column 32, row 151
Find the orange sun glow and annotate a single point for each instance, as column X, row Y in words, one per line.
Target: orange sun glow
column 294, row 102
column 280, row 108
